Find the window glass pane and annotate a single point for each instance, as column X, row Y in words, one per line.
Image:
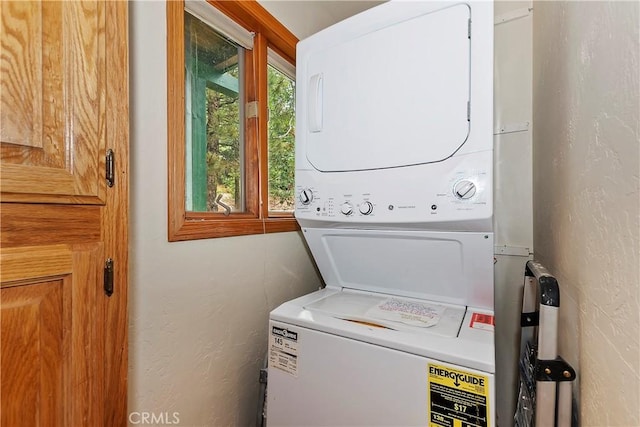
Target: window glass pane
column 281, row 92
column 213, row 114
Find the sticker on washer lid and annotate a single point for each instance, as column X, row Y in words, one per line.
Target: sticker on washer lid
column 283, row 350
column 457, row 398
column 482, row 321
column 412, row 313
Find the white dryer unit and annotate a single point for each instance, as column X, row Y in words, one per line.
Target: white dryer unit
column 394, row 155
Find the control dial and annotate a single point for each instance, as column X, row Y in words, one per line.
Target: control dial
column 366, row 208
column 306, row 196
column 346, row 208
column 464, row 189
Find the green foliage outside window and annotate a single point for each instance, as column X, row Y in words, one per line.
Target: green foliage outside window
column 281, row 140
column 223, row 148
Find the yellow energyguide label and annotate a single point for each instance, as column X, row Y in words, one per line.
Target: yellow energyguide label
column 457, row 398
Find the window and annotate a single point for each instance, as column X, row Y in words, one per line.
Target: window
column 281, row 134
column 231, row 120
column 213, row 116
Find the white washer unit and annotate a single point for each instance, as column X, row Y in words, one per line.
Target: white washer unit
column 394, row 154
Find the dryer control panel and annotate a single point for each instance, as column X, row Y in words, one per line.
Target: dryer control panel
column 454, row 192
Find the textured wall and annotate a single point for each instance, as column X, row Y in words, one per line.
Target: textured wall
column 198, row 310
column 586, row 199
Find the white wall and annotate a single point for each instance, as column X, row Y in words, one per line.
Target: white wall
column 198, row 310
column 586, row 194
column 306, row 17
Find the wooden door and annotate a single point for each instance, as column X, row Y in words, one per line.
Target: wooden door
column 63, row 104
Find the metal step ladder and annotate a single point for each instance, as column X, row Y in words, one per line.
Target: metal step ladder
column 545, row 396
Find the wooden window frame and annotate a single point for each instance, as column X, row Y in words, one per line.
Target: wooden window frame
column 269, row 33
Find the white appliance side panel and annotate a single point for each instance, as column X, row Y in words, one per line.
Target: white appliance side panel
column 337, row 381
column 455, row 268
column 396, row 96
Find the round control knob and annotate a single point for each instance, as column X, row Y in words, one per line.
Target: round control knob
column 366, row 208
column 346, row 208
column 306, row 196
column 464, row 189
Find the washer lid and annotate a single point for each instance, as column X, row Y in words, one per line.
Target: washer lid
column 391, row 312
column 390, row 93
column 471, row 347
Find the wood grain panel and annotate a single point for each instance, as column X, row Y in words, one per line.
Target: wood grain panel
column 27, row 262
column 28, row 225
column 262, row 129
column 60, row 151
column 116, row 217
column 252, row 129
column 86, row 68
column 20, row 178
column 48, row 83
column 33, row 327
column 175, row 117
column 21, row 72
column 28, row 274
column 87, row 337
column 279, row 225
column 55, row 105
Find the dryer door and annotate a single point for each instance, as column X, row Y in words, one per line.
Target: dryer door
column 393, row 96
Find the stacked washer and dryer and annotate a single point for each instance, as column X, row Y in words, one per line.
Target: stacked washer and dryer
column 394, row 176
